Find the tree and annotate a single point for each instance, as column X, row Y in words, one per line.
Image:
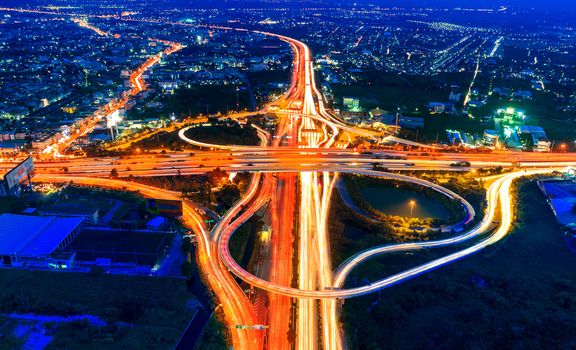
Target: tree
column 291, row 334
column 186, row 244
column 217, row 176
column 97, row 270
column 229, row 194
column 242, row 180
column 114, row 173
column 187, row 269
column 130, row 311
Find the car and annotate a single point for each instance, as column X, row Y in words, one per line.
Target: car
column 461, row 164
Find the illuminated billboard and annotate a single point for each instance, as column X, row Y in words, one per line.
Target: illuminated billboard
column 113, row 118
column 20, row 173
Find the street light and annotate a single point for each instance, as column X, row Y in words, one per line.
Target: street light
column 412, row 204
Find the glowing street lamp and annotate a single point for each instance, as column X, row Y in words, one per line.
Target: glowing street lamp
column 265, row 235
column 412, row 204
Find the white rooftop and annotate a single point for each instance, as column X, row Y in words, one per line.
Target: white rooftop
column 33, row 235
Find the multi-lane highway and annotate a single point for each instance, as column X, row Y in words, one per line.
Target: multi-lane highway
column 290, row 160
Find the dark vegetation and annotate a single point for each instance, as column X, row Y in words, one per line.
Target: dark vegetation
column 245, row 243
column 8, row 340
column 95, row 150
column 163, row 139
column 354, row 185
column 132, row 213
column 142, row 248
column 390, row 91
column 518, row 294
column 238, row 242
column 186, row 102
column 351, row 232
column 268, row 83
column 213, row 336
column 224, row 132
column 435, row 126
column 141, row 312
column 12, row 205
column 468, row 185
column 199, row 188
column 69, row 198
column 542, row 110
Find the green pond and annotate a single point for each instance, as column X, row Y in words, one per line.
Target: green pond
column 396, row 201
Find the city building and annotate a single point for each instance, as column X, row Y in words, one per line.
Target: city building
column 35, row 241
column 351, row 103
column 561, row 196
column 490, row 138
column 534, row 138
column 90, row 215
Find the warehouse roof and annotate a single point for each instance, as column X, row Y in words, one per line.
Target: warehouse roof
column 33, row 235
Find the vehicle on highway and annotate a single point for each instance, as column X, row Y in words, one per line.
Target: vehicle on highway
column 461, row 164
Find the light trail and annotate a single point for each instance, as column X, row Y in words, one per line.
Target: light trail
column 497, row 44
column 306, row 330
column 84, row 23
column 282, row 211
column 88, row 124
column 469, row 93
column 331, row 337
column 236, row 309
column 499, row 193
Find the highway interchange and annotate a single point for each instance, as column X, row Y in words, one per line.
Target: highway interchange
column 294, row 171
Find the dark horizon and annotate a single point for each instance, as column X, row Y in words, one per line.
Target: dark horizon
column 520, row 4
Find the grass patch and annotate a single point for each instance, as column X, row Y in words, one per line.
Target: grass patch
column 213, row 337
column 518, row 294
column 195, row 100
column 143, row 312
column 224, row 132
column 143, row 248
column 12, row 205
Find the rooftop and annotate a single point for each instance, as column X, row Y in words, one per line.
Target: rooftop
column 33, row 235
column 562, row 197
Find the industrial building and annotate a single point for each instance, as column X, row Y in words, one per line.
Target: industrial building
column 561, row 195
column 35, row 241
